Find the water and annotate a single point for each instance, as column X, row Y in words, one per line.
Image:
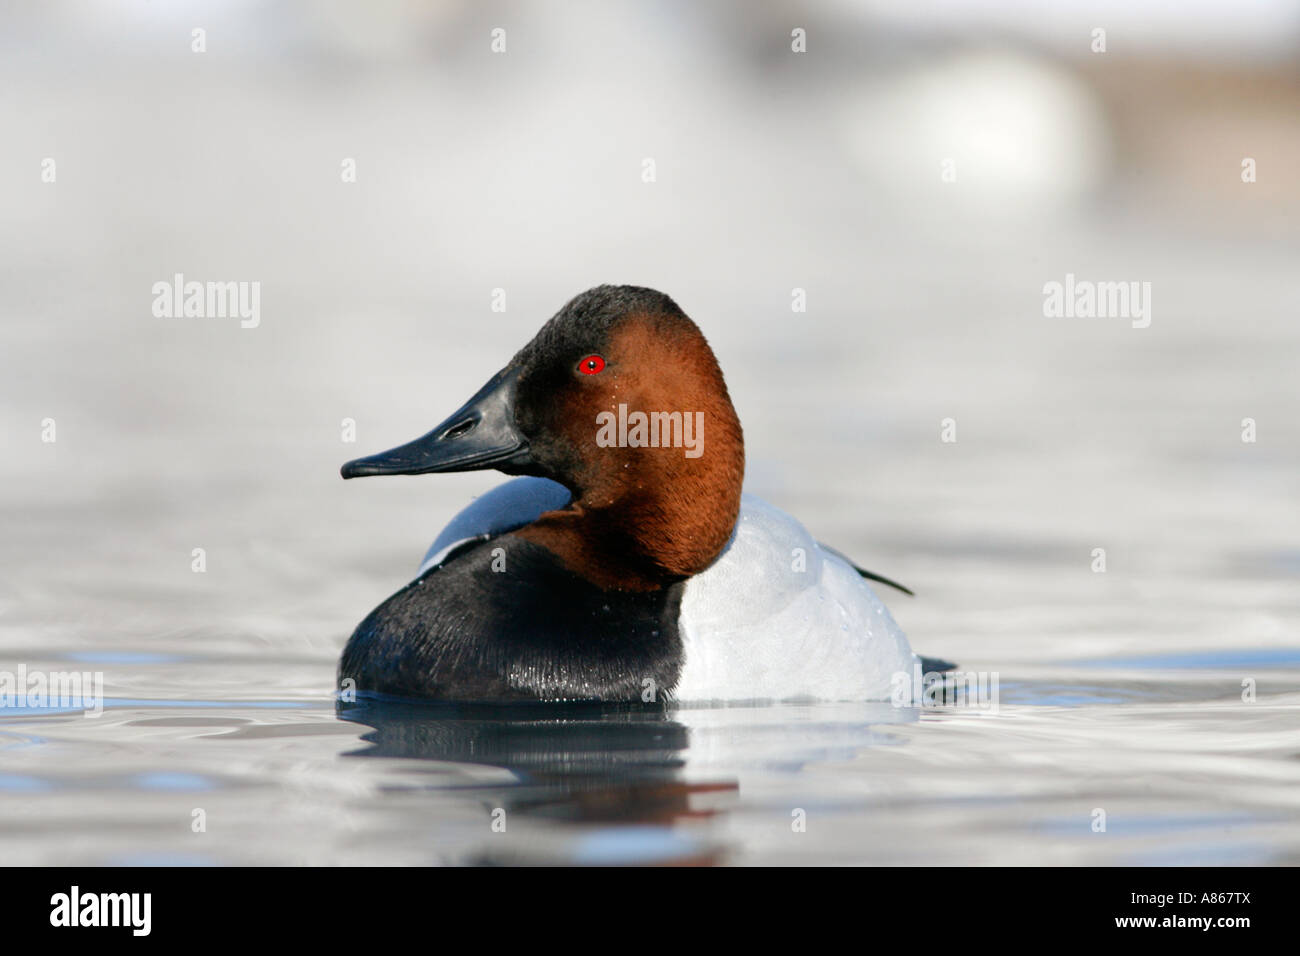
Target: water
column 1185, row 772
column 1119, row 691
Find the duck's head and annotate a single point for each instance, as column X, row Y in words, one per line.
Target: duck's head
column 620, row 399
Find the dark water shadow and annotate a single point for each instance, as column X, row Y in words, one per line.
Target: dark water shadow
column 580, row 763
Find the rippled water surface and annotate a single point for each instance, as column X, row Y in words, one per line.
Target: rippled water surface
column 1184, row 770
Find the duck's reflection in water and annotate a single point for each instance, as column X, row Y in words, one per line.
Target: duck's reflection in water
column 615, row 768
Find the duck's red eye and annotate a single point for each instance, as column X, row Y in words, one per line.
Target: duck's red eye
column 591, row 365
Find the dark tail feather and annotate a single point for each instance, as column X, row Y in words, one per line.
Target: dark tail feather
column 869, row 575
column 872, row 576
column 932, row 665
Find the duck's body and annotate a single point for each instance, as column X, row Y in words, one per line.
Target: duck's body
column 617, row 571
column 774, row 617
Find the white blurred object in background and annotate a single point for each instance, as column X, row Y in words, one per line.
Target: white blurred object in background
column 994, row 132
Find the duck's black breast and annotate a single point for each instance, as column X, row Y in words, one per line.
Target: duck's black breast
column 503, row 620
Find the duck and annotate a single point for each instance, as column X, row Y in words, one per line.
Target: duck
column 623, row 562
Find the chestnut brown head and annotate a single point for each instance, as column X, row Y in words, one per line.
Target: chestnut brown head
column 620, row 399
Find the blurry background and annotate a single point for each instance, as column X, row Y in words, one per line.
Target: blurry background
column 775, row 170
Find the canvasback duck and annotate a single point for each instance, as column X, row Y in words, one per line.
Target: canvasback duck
column 625, row 564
